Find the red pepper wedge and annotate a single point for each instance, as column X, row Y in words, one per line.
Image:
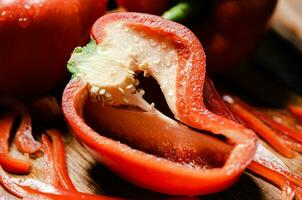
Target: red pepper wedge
column 265, row 164
column 7, row 162
column 24, row 139
column 186, row 102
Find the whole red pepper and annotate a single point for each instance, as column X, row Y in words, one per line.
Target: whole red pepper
column 185, row 161
column 232, row 29
column 37, row 38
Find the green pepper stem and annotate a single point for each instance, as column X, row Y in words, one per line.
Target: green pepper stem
column 179, row 12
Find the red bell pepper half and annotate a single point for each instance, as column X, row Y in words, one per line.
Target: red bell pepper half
column 103, row 105
column 24, row 139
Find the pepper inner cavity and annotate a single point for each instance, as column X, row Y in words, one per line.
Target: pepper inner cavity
column 156, row 133
column 117, row 109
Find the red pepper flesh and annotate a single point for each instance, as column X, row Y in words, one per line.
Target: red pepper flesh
column 9, row 185
column 7, row 162
column 147, row 170
column 59, row 157
column 50, row 173
column 24, row 139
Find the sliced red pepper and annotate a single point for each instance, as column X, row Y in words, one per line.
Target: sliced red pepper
column 280, row 125
column 24, row 139
column 61, row 187
column 9, row 163
column 9, row 185
column 276, row 178
column 169, row 140
column 23, row 189
column 295, row 110
column 50, row 173
column 291, row 143
column 265, row 163
column 59, row 157
column 260, row 127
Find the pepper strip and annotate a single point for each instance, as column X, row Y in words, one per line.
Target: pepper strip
column 59, row 160
column 51, row 175
column 24, row 139
column 22, row 189
column 9, row 163
column 291, row 143
column 9, row 185
column 274, row 177
column 265, row 163
column 294, row 133
column 295, row 110
column 260, row 127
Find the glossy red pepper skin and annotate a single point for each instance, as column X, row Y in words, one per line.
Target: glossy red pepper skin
column 37, row 38
column 141, row 168
column 7, row 162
